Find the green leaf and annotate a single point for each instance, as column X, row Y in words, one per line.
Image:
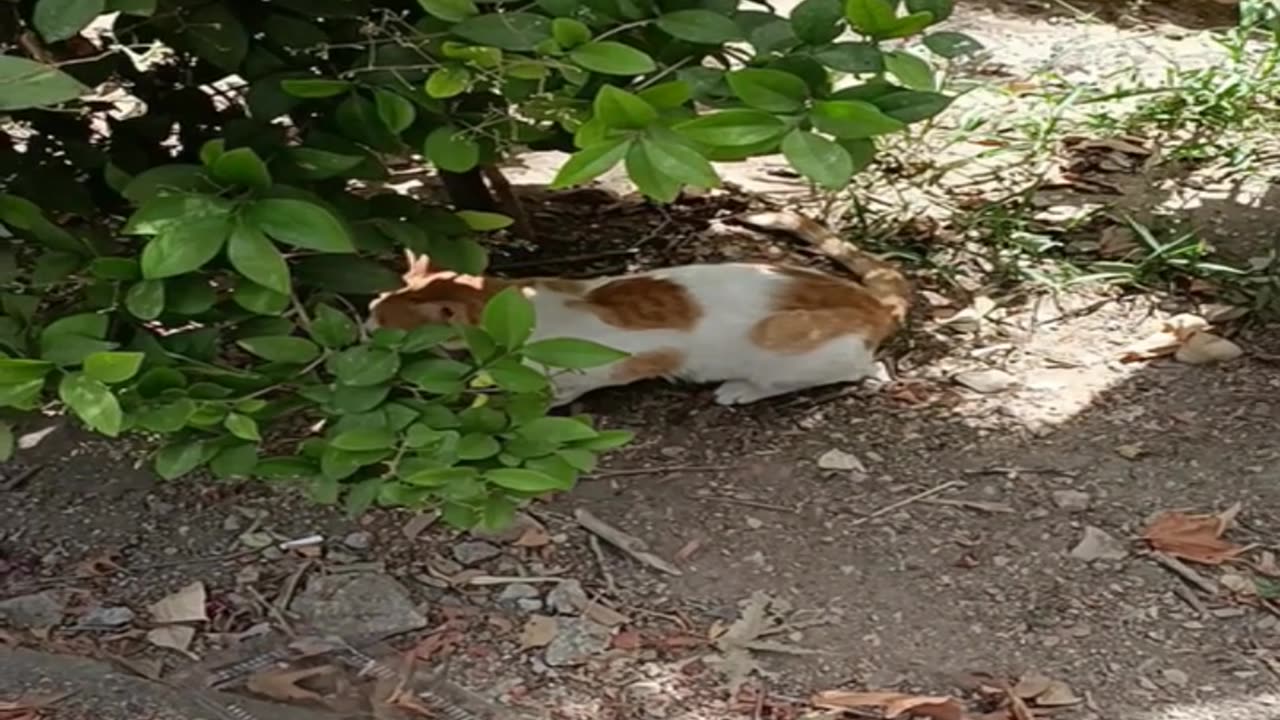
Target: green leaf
column 618, row 108
column 350, row 399
column 912, row 105
column 211, row 151
column 174, row 461
column 852, row 119
column 508, row 317
column 322, row 164
column 674, row 159
column 162, row 213
column 512, row 376
column 477, row 446
column 257, row 299
column 484, row 221
column 167, row 417
column 62, row 19
column 89, row 324
column 23, row 396
column 437, row 375
column 242, row 167
column 818, row 21
column 450, row 10
column 879, row 19
column 28, row 84
column 557, row 430
column 569, row 33
column 346, row 274
column 113, row 367
column 14, row 371
column 116, row 269
column 239, row 460
column 395, row 110
column 667, row 95
column 284, row 468
column 733, row 128
column 590, row 163
column 606, row 440
column 612, row 58
column 459, row 254
column 439, row 477
column 699, row 26
column 214, row 33
column 281, row 348
column 524, row 480
column 242, row 426
column 571, row 353
column 448, row 81
column 517, row 31
column 361, row 495
column 6, row 442
column 914, row 72
column 939, row 9
column 332, row 328
column 256, row 257
column 818, row 158
column 314, row 87
column 425, row 337
column 299, row 223
column 771, row 90
column 365, row 439
column 145, row 300
column 851, row 57
column 71, row 349
column 648, row 178
column 143, row 8
column 365, row 365
column 451, row 149
column 186, row 248
column 952, row 45
column 167, row 180
column 93, row 402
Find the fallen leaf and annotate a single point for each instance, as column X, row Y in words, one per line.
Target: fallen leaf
column 688, row 550
column 283, row 685
column 1205, row 348
column 603, row 614
column 1058, row 694
column 538, row 632
column 174, row 637
column 534, row 536
column 186, row 605
column 627, row 640
column 418, row 524
column 1030, row 685
column 32, row 439
column 1239, row 584
column 1267, row 564
column 893, row 704
column 1197, row 538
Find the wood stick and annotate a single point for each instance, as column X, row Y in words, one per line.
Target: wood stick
column 635, row 547
column 903, row 503
column 1177, row 567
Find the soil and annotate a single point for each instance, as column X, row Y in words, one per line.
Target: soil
column 939, row 562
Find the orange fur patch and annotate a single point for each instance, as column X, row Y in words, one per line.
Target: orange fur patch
column 420, row 300
column 653, row 364
column 642, row 303
column 813, row 309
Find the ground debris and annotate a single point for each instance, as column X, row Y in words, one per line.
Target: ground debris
column 285, row 685
column 892, row 704
column 185, row 605
column 1195, row 538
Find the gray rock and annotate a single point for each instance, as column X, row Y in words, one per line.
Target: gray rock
column 474, row 552
column 986, row 381
column 512, row 595
column 358, row 604
column 529, row 605
column 577, row 640
column 1072, row 500
column 567, row 598
column 358, row 540
column 1097, row 544
column 105, row 618
column 38, row 610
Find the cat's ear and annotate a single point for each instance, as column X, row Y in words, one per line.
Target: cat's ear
column 416, row 266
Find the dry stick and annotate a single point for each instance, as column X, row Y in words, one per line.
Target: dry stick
column 903, row 503
column 1177, row 567
column 747, row 503
column 635, row 547
column 594, row 543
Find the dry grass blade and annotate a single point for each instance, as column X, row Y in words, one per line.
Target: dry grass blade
column 28, row 707
column 1196, row 538
column 893, row 704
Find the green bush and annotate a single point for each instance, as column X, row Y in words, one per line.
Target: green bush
column 195, row 209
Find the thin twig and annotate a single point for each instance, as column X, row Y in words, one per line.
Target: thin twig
column 625, row 472
column 635, row 547
column 594, row 543
column 46, row 582
column 905, row 502
column 20, row 479
column 290, row 587
column 1177, row 567
column 272, row 610
column 748, row 503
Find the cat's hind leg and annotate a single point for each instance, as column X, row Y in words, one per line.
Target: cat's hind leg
column 845, row 360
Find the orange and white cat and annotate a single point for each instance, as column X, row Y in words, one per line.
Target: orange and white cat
column 759, row 330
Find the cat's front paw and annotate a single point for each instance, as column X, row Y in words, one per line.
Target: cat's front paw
column 738, row 392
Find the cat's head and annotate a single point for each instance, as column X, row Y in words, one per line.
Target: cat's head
column 431, row 296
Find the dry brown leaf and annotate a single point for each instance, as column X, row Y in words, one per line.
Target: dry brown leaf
column 1205, row 348
column 283, row 685
column 186, row 605
column 893, row 704
column 1197, row 538
column 1058, row 694
column 534, row 536
column 538, row 632
column 1031, row 684
column 174, row 637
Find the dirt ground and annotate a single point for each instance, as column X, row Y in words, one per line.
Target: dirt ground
column 922, row 539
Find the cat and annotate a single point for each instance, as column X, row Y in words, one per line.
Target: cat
column 760, row 330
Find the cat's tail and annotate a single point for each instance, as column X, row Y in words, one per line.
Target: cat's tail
column 882, row 278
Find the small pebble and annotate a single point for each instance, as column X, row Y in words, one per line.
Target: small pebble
column 1072, row 500
column 358, row 540
column 474, row 552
